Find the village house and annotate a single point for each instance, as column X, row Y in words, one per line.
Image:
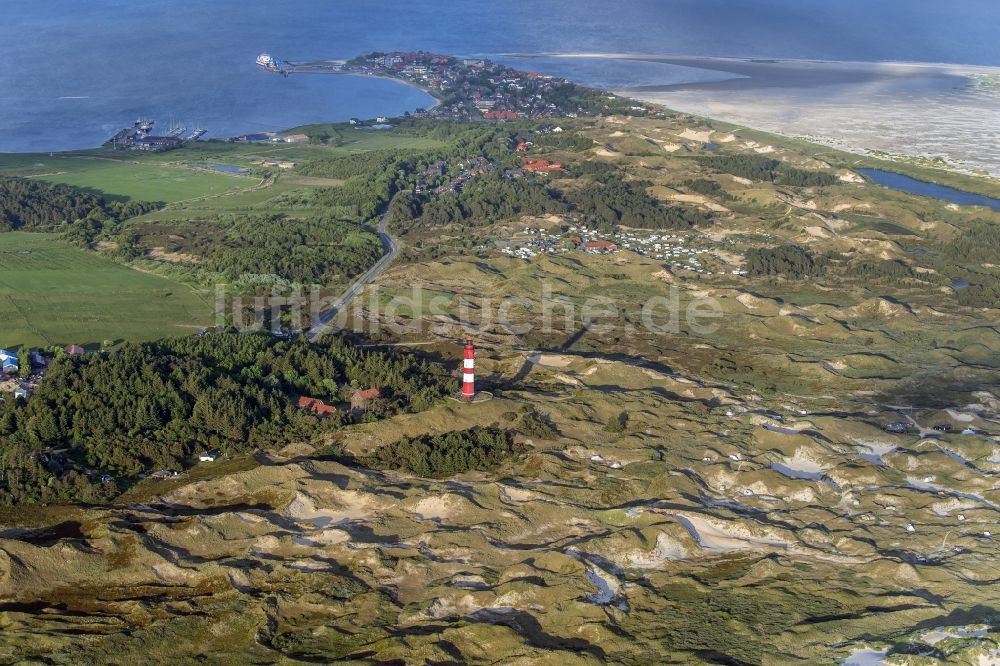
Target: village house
column 316, row 406
column 599, row 247
column 543, row 166
column 74, row 350
column 362, row 400
column 164, row 474
column 501, row 115
column 8, row 361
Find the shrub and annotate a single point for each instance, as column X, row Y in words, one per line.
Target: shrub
column 533, row 424
column 439, row 456
column 789, row 260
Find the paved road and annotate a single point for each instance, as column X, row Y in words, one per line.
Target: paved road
column 328, row 315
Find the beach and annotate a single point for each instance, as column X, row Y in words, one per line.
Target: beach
column 914, row 110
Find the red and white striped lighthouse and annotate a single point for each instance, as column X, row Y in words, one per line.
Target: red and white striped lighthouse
column 469, row 371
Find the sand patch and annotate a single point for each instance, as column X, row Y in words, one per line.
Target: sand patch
column 566, row 379
column 731, row 537
column 512, row 495
column 960, row 416
column 464, row 605
column 438, row 507
column 551, row 360
column 667, row 549
column 751, row 302
column 802, row 465
column 698, row 199
column 694, row 135
column 353, row 506
column 172, row 573
column 161, row 254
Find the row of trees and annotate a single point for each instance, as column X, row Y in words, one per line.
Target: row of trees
column 155, row 405
column 760, row 168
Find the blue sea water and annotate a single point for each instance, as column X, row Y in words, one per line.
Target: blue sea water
column 73, row 72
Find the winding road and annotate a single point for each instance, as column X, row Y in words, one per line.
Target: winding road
column 326, row 317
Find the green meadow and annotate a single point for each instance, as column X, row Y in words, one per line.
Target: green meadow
column 55, row 293
column 122, row 179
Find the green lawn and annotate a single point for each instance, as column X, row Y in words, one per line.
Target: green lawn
column 145, row 180
column 55, row 293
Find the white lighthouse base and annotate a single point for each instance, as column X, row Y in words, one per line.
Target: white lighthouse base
column 481, row 396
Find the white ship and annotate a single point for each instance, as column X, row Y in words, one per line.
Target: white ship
column 267, row 61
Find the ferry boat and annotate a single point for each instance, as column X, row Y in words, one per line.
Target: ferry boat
column 267, row 61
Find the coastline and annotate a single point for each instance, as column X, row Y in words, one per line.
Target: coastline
column 918, row 112
column 341, row 63
column 411, row 84
column 937, row 114
column 736, row 60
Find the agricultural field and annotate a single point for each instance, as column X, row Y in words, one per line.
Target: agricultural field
column 57, row 294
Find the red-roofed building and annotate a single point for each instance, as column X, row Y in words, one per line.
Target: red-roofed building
column 361, row 400
column 502, row 115
column 523, row 147
column 75, row 350
column 543, row 166
column 316, row 406
column 599, row 246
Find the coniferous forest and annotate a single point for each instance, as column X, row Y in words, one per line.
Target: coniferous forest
column 100, row 421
